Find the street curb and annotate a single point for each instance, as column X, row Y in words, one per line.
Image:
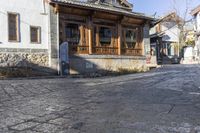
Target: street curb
column 30, row 78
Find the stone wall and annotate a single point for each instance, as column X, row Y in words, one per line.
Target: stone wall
column 81, row 64
column 23, row 59
column 35, row 60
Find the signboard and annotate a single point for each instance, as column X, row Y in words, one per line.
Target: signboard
column 64, row 59
column 148, row 59
column 89, row 65
column 64, row 52
column 146, row 40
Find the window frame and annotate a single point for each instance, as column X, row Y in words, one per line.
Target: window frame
column 77, row 33
column 104, row 44
column 124, row 40
column 17, row 27
column 39, row 34
column 96, row 35
column 82, row 28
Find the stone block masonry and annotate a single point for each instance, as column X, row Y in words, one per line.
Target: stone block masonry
column 82, row 64
column 23, row 59
column 36, row 60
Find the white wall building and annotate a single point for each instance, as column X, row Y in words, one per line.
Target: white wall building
column 196, row 14
column 30, row 13
column 171, row 31
column 24, row 33
column 165, row 35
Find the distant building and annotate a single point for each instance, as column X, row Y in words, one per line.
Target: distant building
column 165, row 38
column 102, row 34
column 196, row 14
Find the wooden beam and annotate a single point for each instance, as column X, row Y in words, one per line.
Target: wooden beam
column 142, row 39
column 97, row 36
column 81, row 29
column 129, row 20
column 56, row 8
column 119, row 39
column 90, row 27
column 105, row 16
column 74, row 11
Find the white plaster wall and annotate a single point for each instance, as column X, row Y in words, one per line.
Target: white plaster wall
column 198, row 21
column 197, row 29
column 171, row 34
column 197, row 43
column 30, row 12
column 152, row 30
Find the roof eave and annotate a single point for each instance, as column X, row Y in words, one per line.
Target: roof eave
column 100, row 9
column 195, row 11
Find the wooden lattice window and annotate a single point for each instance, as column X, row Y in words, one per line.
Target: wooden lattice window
column 130, row 38
column 13, row 27
column 35, row 34
column 105, row 35
column 72, row 33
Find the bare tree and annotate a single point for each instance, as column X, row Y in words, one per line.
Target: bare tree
column 182, row 19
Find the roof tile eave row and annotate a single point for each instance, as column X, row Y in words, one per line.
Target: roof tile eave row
column 102, row 7
column 195, row 10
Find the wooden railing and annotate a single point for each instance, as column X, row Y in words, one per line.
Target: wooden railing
column 76, row 49
column 131, row 52
column 105, row 50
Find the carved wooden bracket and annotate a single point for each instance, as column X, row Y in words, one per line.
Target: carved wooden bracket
column 56, row 8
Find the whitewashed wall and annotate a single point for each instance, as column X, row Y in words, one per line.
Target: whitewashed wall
column 31, row 13
column 198, row 22
column 197, row 29
column 171, row 31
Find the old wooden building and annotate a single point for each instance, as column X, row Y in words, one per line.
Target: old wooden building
column 102, row 34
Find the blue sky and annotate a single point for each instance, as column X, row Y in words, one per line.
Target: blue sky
column 162, row 7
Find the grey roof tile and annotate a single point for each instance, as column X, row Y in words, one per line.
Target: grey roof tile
column 102, row 7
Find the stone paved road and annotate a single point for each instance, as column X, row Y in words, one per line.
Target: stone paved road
column 166, row 100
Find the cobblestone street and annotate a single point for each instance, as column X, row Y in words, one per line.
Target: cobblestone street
column 165, row 100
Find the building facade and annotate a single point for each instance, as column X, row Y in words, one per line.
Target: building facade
column 165, row 38
column 196, row 14
column 102, row 35
column 24, row 34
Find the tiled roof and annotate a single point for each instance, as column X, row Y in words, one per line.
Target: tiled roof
column 195, row 10
column 102, row 7
column 170, row 16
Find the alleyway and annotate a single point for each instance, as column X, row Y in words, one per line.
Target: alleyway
column 165, row 100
